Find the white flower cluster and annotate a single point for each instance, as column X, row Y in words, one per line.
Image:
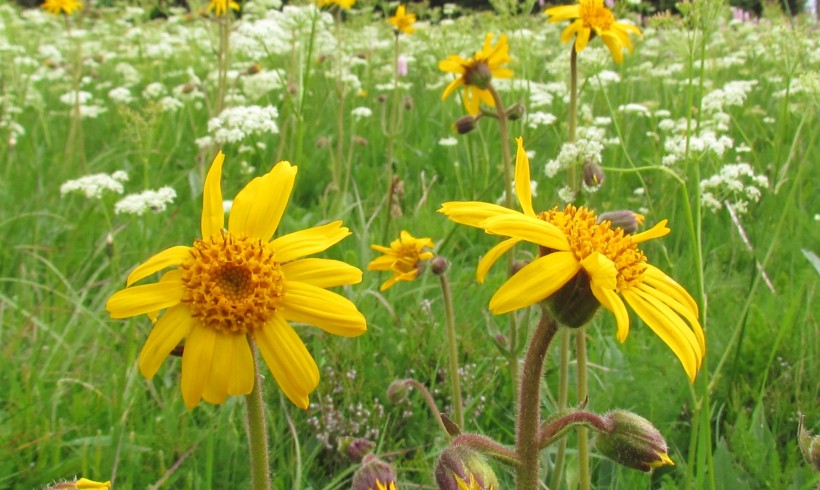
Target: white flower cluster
column 82, row 99
column 154, row 90
column 121, row 95
column 538, row 118
column 732, row 94
column 587, row 148
column 145, row 201
column 237, row 123
column 675, row 146
column 735, row 185
column 634, row 108
column 361, row 112
column 93, row 186
column 266, row 81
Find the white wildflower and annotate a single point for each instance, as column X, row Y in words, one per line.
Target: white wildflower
column 121, row 95
column 448, row 141
column 145, row 201
column 237, row 123
column 361, row 112
column 93, row 186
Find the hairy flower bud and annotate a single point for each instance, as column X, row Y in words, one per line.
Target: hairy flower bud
column 593, row 174
column 398, row 391
column 809, row 445
column 624, row 219
column 355, row 448
column 515, row 112
column 633, row 442
column 460, row 467
column 440, row 266
column 374, row 474
column 465, row 124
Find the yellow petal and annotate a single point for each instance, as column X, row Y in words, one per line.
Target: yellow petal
column 615, row 47
column 289, row 361
column 197, row 359
column 213, row 214
column 167, row 258
column 258, row 208
column 322, row 273
column 660, row 281
column 563, row 12
column 680, row 309
column 453, row 64
column 669, row 327
column 502, row 73
column 171, row 328
column 491, row 257
column 316, row 306
column 571, row 30
column 534, row 282
column 308, row 242
column 522, row 178
column 458, row 82
column 382, row 263
column 471, row 213
column 657, row 231
column 582, row 39
column 231, row 369
column 140, row 300
column 528, row 228
column 601, row 271
column 612, row 302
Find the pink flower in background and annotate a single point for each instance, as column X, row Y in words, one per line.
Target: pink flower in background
column 401, row 66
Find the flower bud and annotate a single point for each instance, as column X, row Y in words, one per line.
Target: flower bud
column 440, row 266
column 460, row 467
column 355, row 448
column 382, row 98
column 515, row 112
column 633, row 442
column 408, row 103
column 254, row 69
column 398, row 391
column 593, row 174
column 374, row 474
column 624, row 219
column 809, row 445
column 359, row 140
column 465, row 124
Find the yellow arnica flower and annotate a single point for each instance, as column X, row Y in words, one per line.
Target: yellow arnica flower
column 237, row 285
column 402, row 21
column 345, row 4
column 592, row 17
column 476, row 73
column 57, row 6
column 574, row 245
column 220, row 7
column 402, row 258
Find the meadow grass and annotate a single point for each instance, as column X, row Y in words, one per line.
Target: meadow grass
column 72, row 400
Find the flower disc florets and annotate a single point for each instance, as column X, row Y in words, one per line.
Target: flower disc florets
column 585, row 236
column 232, row 283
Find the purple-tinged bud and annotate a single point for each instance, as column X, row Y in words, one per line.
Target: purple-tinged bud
column 355, row 448
column 439, row 266
column 633, row 442
column 374, row 474
column 465, row 124
column 515, row 112
column 593, row 174
column 398, row 391
column 408, row 103
column 623, row 219
column 460, row 467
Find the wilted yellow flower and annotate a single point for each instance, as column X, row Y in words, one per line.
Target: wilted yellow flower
column 476, row 73
column 593, row 18
column 345, row 4
column 237, row 284
column 402, row 21
column 57, row 6
column 595, row 258
column 403, row 258
column 220, row 7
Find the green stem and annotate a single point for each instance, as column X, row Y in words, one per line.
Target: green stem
column 428, row 399
column 390, row 132
column 563, row 397
column 455, row 382
column 257, row 429
column 529, row 404
column 487, row 447
column 573, row 176
column 506, row 159
column 583, row 441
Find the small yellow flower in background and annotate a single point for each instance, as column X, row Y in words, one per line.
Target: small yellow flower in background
column 345, row 4
column 57, row 6
column 592, row 17
column 573, row 242
column 237, row 284
column 402, row 258
column 388, row 486
column 220, row 7
column 402, row 21
column 80, row 484
column 476, row 73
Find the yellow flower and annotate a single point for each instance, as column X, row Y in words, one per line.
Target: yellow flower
column 237, row 284
column 80, row 484
column 403, row 22
column 57, row 6
column 220, row 7
column 345, row 4
column 476, row 73
column 402, row 258
column 592, row 17
column 605, row 262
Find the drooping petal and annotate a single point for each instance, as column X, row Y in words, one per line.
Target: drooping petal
column 571, row 30
column 660, row 281
column 171, row 328
column 140, row 300
column 527, row 228
column 603, row 279
column 615, row 47
column 582, row 39
column 322, row 273
column 308, row 242
column 680, row 309
column 471, row 213
column 197, row 359
column 458, row 82
column 522, row 178
column 288, row 359
column 535, row 282
column 167, row 258
column 213, row 214
column 258, row 208
column 327, row 310
column 231, row 369
column 491, row 257
column 612, row 302
column 669, row 327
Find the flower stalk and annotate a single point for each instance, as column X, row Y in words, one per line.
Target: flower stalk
column 257, row 429
column 455, row 381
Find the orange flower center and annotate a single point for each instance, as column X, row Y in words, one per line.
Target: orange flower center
column 595, row 15
column 232, row 283
column 586, row 235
